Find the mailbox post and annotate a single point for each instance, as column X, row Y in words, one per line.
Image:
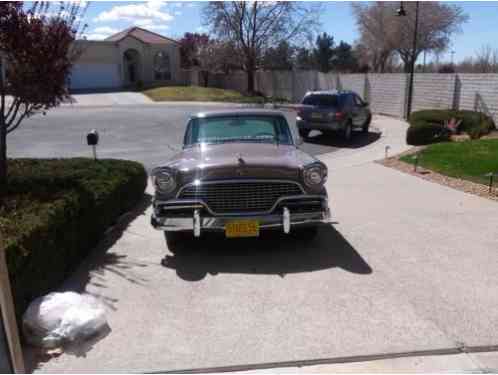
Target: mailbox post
column 92, row 138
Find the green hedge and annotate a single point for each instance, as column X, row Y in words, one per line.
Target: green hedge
column 428, row 126
column 54, row 214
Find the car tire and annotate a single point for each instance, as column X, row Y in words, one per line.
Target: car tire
column 366, row 125
column 303, row 133
column 178, row 242
column 305, row 233
column 347, row 133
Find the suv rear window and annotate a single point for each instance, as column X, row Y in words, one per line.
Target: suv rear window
column 321, row 100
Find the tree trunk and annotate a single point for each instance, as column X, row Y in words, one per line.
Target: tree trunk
column 3, row 138
column 250, row 80
column 3, row 158
column 205, row 77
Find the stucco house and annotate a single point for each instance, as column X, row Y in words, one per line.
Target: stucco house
column 130, row 57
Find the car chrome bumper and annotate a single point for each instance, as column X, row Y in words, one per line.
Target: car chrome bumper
column 198, row 223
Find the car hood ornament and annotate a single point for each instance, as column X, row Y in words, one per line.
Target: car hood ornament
column 240, row 159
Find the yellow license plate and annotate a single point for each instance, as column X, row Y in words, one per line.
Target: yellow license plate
column 242, row 228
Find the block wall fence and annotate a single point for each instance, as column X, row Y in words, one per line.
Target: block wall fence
column 386, row 93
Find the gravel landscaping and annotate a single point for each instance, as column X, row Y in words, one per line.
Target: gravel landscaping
column 426, row 174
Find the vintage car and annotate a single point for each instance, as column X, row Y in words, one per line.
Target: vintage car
column 239, row 172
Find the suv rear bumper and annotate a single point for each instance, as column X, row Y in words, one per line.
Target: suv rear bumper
column 324, row 126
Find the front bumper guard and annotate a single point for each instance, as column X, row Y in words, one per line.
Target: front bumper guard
column 198, row 223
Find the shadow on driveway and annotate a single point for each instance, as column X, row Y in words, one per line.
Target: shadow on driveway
column 272, row 253
column 92, row 272
column 335, row 139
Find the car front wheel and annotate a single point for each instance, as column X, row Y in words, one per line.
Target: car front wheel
column 304, row 133
column 305, row 233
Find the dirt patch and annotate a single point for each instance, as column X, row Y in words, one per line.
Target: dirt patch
column 455, row 183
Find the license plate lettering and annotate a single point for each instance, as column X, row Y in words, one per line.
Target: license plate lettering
column 242, row 228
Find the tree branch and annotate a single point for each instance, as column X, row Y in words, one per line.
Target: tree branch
column 27, row 110
column 12, row 112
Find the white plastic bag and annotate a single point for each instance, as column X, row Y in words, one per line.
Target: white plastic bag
column 58, row 318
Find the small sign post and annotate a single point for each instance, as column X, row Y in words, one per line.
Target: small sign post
column 491, row 176
column 92, row 139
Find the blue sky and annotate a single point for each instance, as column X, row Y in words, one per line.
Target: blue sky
column 175, row 18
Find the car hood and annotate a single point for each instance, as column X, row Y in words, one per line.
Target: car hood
column 236, row 160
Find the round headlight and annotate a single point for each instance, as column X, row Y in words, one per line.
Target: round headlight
column 164, row 181
column 315, row 176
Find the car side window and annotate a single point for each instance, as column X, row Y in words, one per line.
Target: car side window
column 357, row 101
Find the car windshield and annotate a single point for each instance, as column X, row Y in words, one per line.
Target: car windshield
column 254, row 129
column 321, row 100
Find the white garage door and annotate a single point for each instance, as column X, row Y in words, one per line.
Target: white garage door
column 95, row 76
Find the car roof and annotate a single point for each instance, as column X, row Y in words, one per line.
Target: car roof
column 239, row 112
column 329, row 92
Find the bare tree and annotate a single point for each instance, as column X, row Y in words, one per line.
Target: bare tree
column 255, row 26
column 383, row 34
column 437, row 22
column 486, row 60
column 377, row 42
column 213, row 56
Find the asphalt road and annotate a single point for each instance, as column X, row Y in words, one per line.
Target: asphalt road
column 149, row 134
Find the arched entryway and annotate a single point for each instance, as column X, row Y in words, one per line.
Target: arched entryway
column 131, row 63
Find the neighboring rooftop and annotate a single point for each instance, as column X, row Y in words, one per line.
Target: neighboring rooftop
column 143, row 35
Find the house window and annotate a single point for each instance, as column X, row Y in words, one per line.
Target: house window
column 162, row 68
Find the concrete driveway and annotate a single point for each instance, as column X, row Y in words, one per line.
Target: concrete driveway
column 409, row 267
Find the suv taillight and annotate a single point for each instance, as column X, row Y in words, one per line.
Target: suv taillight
column 339, row 115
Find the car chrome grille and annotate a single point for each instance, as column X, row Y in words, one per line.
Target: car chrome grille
column 237, row 196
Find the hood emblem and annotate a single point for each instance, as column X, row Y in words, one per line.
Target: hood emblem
column 239, row 159
column 240, row 171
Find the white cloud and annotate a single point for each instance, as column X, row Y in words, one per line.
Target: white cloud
column 150, row 11
column 150, row 25
column 105, row 30
column 94, row 36
column 100, row 33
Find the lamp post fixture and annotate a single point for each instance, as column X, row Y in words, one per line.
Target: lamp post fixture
column 402, row 13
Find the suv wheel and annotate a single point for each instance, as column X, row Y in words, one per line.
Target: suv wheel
column 304, row 133
column 366, row 126
column 348, row 131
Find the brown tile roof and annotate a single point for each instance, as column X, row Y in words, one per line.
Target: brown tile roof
column 143, row 35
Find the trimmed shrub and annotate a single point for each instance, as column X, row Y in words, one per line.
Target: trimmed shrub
column 428, row 126
column 54, row 214
column 424, row 133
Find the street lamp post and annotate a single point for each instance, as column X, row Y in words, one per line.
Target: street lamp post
column 401, row 12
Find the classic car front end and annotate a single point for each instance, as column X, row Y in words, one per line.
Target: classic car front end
column 239, row 172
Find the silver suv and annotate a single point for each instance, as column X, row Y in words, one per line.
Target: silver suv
column 339, row 111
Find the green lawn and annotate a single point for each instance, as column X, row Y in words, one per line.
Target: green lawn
column 200, row 94
column 468, row 160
